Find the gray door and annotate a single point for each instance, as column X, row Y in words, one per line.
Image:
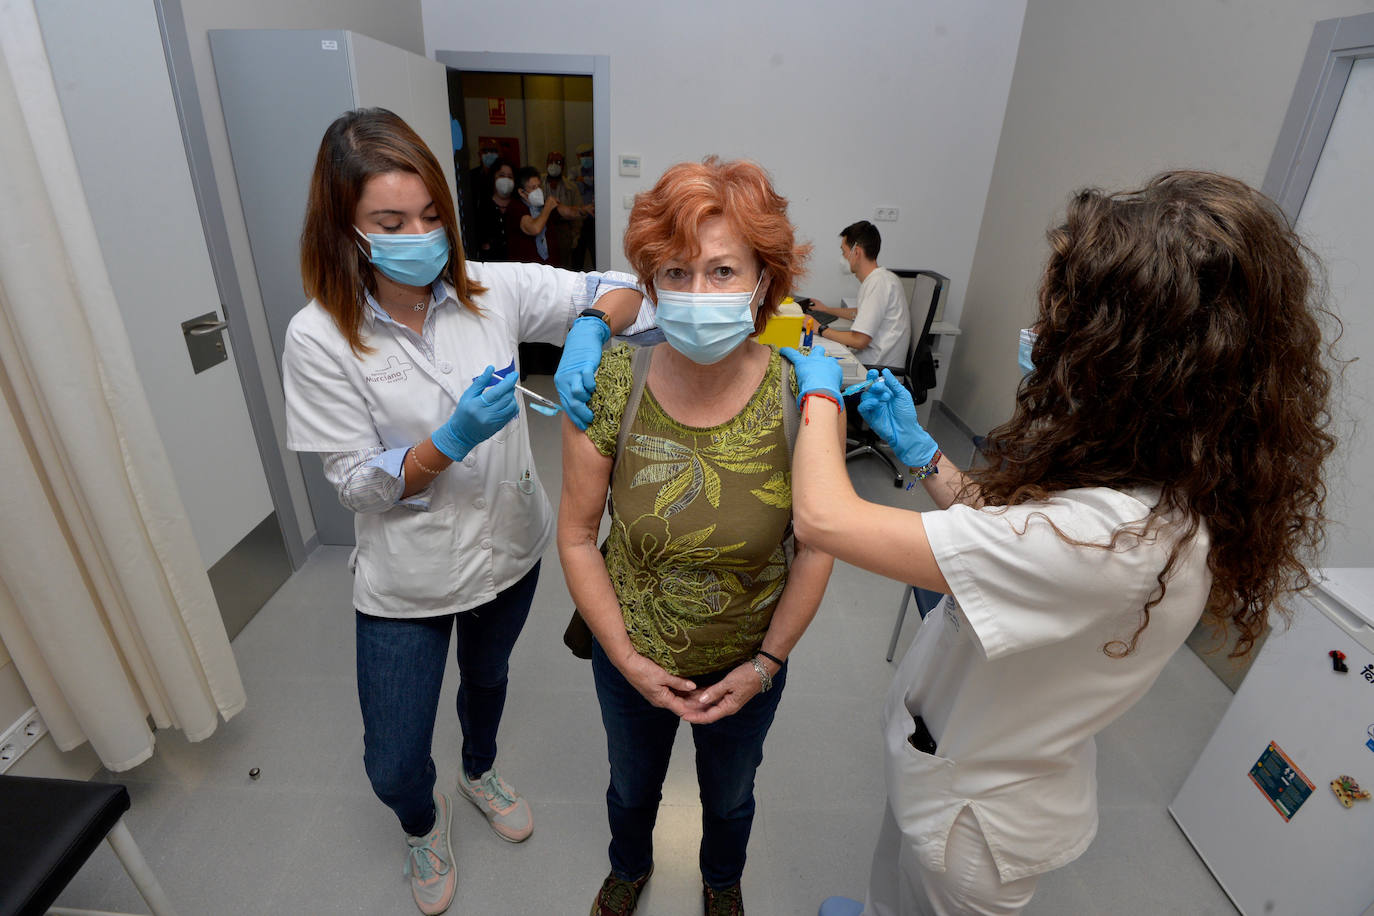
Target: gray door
column 112, row 79
column 1320, row 174
column 1336, row 219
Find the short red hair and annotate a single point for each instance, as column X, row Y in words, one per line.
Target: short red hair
column 665, row 221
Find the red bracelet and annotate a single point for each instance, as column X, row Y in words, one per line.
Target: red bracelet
column 806, row 415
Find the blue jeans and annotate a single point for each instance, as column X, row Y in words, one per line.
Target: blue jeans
column 639, row 741
column 400, row 670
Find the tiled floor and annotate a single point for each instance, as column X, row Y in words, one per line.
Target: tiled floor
column 308, row 837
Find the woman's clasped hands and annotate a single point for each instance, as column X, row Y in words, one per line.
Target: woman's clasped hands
column 682, row 697
column 725, row 697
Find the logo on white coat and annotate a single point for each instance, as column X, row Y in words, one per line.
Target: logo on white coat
column 951, row 611
column 393, row 371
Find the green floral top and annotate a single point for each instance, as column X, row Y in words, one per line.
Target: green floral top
column 699, row 517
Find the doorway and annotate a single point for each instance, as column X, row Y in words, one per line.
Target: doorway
column 523, row 119
column 1320, row 177
column 543, row 99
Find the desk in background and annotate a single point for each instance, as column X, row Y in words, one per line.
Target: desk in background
column 853, row 370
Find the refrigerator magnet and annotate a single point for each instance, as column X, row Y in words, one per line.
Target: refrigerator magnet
column 1348, row 791
column 1283, row 784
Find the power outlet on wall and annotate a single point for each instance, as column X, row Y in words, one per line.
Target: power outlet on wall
column 21, row 736
column 885, row 215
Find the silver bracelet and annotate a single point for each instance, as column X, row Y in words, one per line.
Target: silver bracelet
column 765, row 679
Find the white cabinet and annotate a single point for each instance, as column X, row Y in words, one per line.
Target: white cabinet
column 1257, row 805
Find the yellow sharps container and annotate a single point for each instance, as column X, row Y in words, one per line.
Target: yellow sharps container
column 784, row 328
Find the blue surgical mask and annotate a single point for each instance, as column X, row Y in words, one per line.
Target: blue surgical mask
column 414, row 260
column 488, row 159
column 586, row 163
column 706, row 327
column 1023, row 351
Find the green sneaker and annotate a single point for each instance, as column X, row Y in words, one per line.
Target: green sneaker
column 617, row 896
column 429, row 863
column 727, row 901
column 506, row 812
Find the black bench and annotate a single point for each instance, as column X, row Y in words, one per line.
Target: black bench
column 49, row 828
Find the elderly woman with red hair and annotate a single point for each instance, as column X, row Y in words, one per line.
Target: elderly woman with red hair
column 699, row 593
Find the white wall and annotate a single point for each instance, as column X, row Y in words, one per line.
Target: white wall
column 851, row 107
column 1109, row 92
column 396, row 22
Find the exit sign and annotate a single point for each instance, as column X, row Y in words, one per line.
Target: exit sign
column 496, row 112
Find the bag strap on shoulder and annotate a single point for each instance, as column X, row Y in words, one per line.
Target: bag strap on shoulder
column 639, row 369
column 791, row 422
column 791, row 413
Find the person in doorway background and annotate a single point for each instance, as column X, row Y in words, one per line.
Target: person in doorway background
column 390, row 375
column 695, row 605
column 565, row 231
column 527, row 220
column 476, row 184
column 1164, row 458
column 492, row 241
column 584, row 254
column 482, row 176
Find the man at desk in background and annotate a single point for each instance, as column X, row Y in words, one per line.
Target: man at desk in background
column 881, row 323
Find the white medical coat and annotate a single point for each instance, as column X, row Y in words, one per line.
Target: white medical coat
column 1010, row 675
column 488, row 519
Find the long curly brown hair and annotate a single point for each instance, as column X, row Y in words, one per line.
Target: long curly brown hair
column 1180, row 347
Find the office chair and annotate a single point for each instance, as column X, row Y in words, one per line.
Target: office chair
column 918, row 373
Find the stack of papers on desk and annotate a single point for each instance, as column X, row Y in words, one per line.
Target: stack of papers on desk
column 853, row 370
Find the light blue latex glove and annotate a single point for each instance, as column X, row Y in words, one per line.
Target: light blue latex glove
column 575, row 378
column 890, row 412
column 480, row 414
column 816, row 373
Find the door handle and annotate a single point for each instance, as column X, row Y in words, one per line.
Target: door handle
column 201, row 328
column 204, row 336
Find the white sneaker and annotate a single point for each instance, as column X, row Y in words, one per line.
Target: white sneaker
column 504, row 809
column 429, row 863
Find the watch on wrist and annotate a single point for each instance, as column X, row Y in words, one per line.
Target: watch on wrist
column 593, row 313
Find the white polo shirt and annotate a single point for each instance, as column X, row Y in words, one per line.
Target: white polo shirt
column 1011, row 678
column 883, row 315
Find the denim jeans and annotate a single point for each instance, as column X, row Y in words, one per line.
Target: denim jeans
column 639, row 741
column 400, row 670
